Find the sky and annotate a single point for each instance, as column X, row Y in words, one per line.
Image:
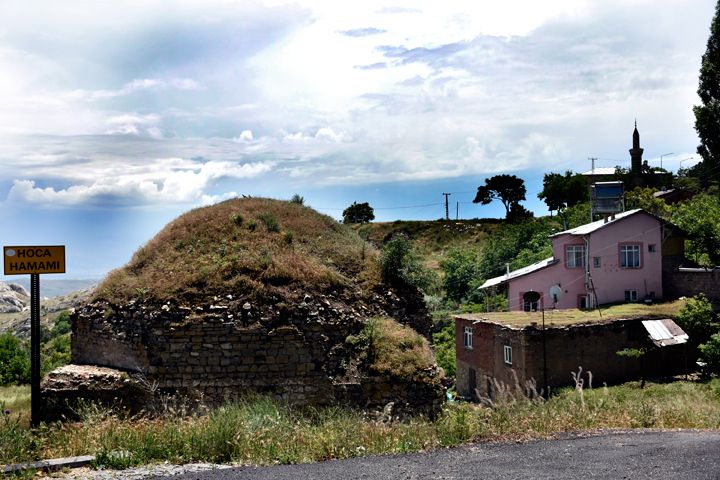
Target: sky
column 115, row 117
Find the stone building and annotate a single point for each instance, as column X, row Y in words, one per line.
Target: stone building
column 489, row 353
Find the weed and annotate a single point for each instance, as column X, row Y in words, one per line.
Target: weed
column 270, row 222
column 289, row 237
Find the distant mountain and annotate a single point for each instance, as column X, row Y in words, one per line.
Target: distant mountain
column 50, row 287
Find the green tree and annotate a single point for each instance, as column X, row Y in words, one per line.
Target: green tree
column 358, row 213
column 509, row 189
column 644, row 198
column 14, row 360
column 700, row 218
column 707, row 115
column 697, row 319
column 401, row 265
column 462, row 270
column 562, row 191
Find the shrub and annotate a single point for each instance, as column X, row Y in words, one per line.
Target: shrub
column 14, row 360
column 710, row 352
column 461, row 269
column 237, row 219
column 400, row 265
column 61, row 326
column 697, row 319
column 289, row 237
column 297, row 199
column 270, row 222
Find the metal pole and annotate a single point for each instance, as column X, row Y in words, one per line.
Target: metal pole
column 547, row 390
column 35, row 403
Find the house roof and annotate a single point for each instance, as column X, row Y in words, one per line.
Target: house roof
column 597, row 225
column 600, row 171
column 665, row 332
column 519, row 272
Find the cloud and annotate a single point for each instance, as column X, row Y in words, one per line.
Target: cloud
column 166, row 182
column 362, row 32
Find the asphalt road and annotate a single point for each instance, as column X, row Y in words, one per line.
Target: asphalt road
column 631, row 455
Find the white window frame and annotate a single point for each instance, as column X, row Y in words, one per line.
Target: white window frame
column 652, row 248
column 468, row 338
column 630, row 256
column 507, row 354
column 572, row 252
column 631, row 296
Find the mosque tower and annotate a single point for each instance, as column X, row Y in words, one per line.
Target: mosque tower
column 636, row 153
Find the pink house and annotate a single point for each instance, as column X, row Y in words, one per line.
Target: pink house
column 617, row 259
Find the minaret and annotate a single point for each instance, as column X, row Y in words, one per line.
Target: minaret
column 636, row 153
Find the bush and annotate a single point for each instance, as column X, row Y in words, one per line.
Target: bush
column 270, row 222
column 461, row 268
column 401, row 266
column 14, row 360
column 697, row 319
column 297, row 199
column 61, row 326
column 710, row 353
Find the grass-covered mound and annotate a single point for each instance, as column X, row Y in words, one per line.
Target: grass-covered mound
column 247, row 245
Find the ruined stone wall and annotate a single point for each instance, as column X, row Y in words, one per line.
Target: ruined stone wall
column 207, row 353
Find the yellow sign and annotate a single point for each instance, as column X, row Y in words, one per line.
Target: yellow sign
column 30, row 260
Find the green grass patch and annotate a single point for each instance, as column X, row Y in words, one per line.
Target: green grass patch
column 262, row 432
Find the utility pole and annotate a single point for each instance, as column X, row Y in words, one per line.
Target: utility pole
column 447, row 208
column 592, row 163
column 457, row 211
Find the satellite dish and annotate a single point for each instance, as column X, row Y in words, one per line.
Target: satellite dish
column 555, row 293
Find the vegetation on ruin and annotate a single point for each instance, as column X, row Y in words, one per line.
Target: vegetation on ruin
column 259, row 431
column 249, row 245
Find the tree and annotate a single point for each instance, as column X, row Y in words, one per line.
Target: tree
column 358, row 213
column 707, row 115
column 700, row 218
column 509, row 189
column 562, row 191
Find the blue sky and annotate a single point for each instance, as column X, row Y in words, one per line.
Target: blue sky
column 115, row 117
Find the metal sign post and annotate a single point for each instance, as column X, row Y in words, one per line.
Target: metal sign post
column 34, row 261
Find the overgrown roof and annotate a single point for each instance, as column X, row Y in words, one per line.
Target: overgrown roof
column 248, row 245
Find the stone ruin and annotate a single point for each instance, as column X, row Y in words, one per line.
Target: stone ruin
column 139, row 353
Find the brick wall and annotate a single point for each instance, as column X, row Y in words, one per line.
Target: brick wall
column 593, row 347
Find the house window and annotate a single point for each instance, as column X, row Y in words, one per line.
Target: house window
column 596, row 262
column 651, row 248
column 507, row 350
column 630, row 256
column 631, row 295
column 467, row 337
column 575, row 256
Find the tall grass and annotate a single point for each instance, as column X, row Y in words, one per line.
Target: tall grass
column 261, row 431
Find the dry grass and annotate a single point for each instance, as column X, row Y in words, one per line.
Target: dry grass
column 574, row 316
column 432, row 239
column 260, row 431
column 246, row 244
column 16, row 398
column 398, row 350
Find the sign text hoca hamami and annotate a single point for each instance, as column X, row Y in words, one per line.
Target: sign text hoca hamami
column 34, row 260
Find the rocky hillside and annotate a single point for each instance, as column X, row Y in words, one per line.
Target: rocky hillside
column 254, row 295
column 13, row 298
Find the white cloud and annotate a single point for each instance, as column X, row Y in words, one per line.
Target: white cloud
column 165, row 182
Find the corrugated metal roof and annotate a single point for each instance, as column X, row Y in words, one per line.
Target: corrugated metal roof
column 601, row 171
column 519, row 272
column 665, row 332
column 591, row 227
